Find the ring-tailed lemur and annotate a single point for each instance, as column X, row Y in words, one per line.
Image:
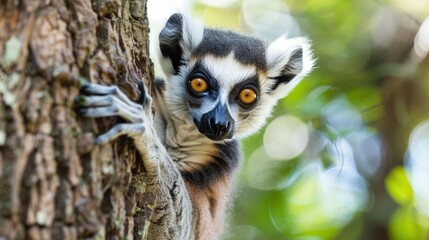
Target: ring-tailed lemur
column 220, row 86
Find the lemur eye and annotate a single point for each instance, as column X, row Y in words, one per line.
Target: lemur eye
column 198, row 85
column 247, row 96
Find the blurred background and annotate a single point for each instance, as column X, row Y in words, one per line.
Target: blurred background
column 346, row 154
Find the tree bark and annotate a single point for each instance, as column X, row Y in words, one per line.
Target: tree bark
column 54, row 183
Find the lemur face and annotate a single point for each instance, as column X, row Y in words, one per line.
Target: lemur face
column 220, row 93
column 227, row 83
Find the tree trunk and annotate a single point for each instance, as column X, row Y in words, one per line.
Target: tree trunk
column 405, row 102
column 54, row 183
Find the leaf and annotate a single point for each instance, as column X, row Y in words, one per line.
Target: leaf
column 403, row 225
column 398, row 187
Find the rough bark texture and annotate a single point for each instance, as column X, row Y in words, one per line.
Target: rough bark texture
column 53, row 182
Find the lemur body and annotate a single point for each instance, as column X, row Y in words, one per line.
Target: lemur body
column 220, row 86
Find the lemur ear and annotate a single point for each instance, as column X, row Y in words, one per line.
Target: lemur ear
column 180, row 36
column 288, row 61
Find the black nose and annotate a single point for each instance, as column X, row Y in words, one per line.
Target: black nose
column 216, row 124
column 219, row 128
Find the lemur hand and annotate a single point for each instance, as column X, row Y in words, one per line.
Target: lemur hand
column 107, row 101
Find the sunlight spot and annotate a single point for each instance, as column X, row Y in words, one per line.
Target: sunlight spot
column 340, row 153
column 305, row 187
column 418, row 166
column 367, row 151
column 342, row 116
column 342, row 192
column 285, row 138
column 385, row 27
column 421, row 42
column 259, row 170
column 320, row 199
column 266, row 19
column 218, row 3
column 317, row 142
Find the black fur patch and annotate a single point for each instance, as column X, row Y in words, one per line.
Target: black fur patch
column 142, row 100
column 159, row 85
column 247, row 49
column 283, row 79
column 295, row 62
column 223, row 163
column 290, row 70
column 252, row 83
column 169, row 40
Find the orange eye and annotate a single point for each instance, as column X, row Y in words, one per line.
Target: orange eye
column 247, row 96
column 198, row 85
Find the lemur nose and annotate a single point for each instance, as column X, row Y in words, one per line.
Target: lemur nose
column 216, row 124
column 220, row 128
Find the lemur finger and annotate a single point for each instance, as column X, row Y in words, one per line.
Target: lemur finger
column 99, row 101
column 95, row 101
column 133, row 130
column 96, row 89
column 110, row 111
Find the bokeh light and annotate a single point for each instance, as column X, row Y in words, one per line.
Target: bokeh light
column 367, row 152
column 341, row 116
column 421, row 43
column 261, row 17
column 343, row 191
column 418, row 166
column 219, row 3
column 265, row 173
column 291, row 132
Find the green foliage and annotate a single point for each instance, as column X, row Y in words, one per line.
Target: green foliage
column 398, row 186
column 403, row 224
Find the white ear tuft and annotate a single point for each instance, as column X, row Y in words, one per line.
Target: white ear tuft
column 180, row 36
column 193, row 31
column 288, row 61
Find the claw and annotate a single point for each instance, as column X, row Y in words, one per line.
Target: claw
column 145, row 99
column 142, row 99
column 82, row 111
column 84, row 86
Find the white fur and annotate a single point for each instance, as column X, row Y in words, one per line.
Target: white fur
column 229, row 72
column 192, row 31
column 278, row 55
column 166, row 65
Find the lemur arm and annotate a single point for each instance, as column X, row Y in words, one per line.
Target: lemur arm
column 173, row 214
